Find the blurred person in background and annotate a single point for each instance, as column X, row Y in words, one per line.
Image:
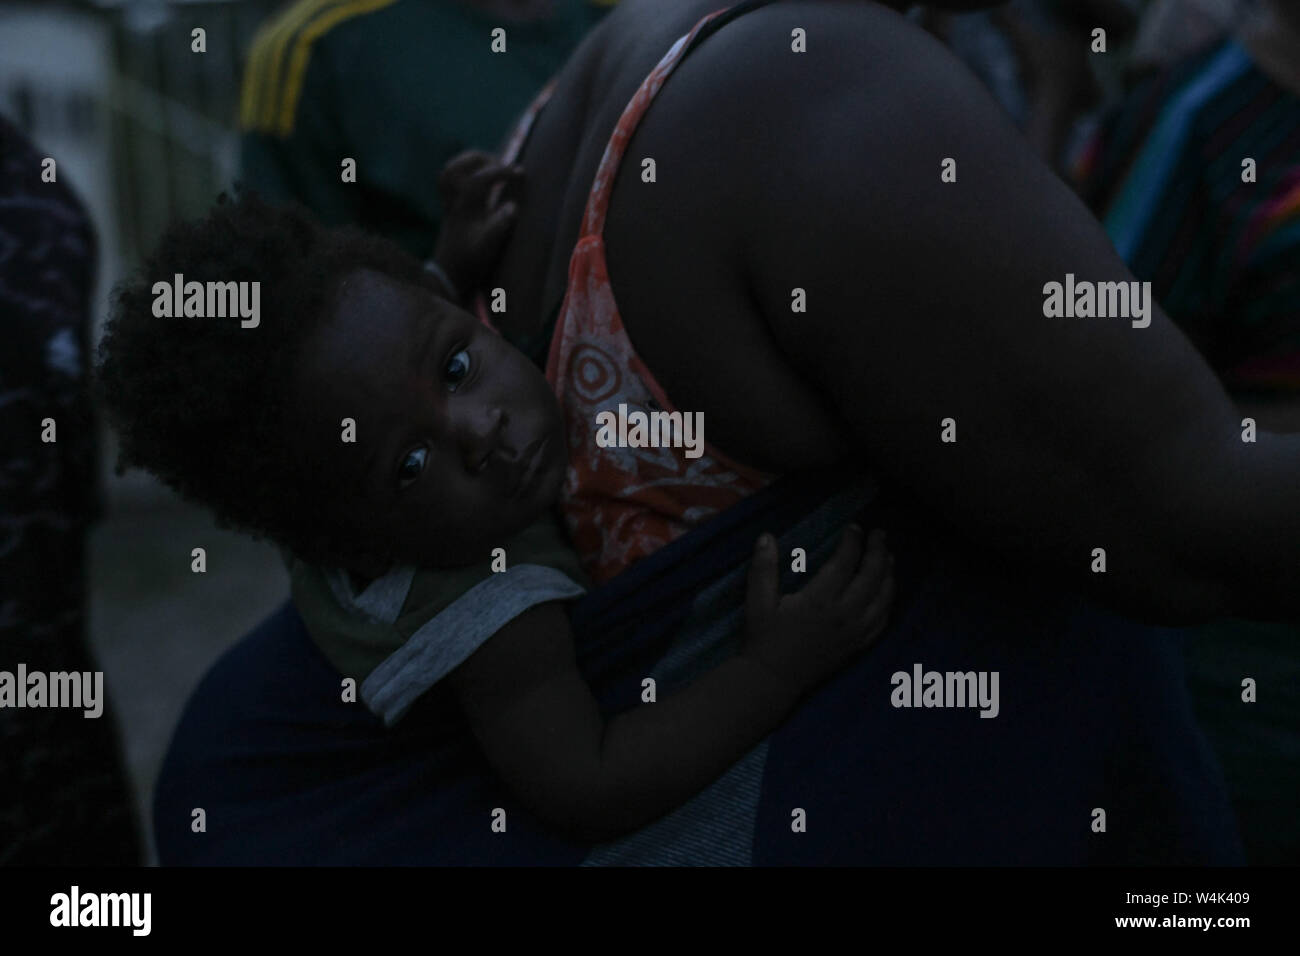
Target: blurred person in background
column 1196, row 177
column 64, row 799
column 399, row 86
column 1170, row 30
column 1037, row 59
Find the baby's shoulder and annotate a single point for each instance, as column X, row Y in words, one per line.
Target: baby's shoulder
column 538, row 557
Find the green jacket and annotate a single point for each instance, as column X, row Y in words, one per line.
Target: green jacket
column 399, row 86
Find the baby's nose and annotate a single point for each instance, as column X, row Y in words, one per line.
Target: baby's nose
column 480, row 436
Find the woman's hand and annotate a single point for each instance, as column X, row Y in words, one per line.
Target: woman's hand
column 476, row 217
column 802, row 639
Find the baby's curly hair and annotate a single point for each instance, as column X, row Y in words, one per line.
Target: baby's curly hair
column 202, row 402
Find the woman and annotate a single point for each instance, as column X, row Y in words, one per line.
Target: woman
column 823, row 290
column 925, row 300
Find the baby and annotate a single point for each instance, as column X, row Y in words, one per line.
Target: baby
column 371, row 425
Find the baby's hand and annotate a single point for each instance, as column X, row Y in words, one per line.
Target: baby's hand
column 475, row 220
column 804, row 638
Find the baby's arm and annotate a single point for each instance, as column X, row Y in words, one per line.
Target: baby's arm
column 477, row 218
column 542, row 731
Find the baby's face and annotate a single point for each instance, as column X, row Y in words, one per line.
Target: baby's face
column 459, row 440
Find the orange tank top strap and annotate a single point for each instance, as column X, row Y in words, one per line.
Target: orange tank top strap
column 641, row 472
column 519, row 135
column 593, row 219
column 514, row 145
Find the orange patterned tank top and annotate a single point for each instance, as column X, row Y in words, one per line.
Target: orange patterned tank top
column 621, row 504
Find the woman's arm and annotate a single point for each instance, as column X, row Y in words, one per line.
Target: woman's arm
column 541, row 730
column 925, row 301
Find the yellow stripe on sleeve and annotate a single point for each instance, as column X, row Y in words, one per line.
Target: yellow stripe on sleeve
column 297, row 69
column 262, row 75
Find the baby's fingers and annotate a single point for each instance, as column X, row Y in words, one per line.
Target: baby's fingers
column 835, row 574
column 461, row 167
column 876, row 615
column 475, row 188
column 497, row 226
column 875, row 567
column 763, row 587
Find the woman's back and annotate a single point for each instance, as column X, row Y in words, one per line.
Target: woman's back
column 708, row 345
column 845, row 251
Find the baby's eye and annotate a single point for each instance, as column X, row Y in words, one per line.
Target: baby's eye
column 458, row 366
column 411, row 467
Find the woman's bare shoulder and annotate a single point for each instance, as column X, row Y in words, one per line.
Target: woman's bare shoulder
column 733, row 96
